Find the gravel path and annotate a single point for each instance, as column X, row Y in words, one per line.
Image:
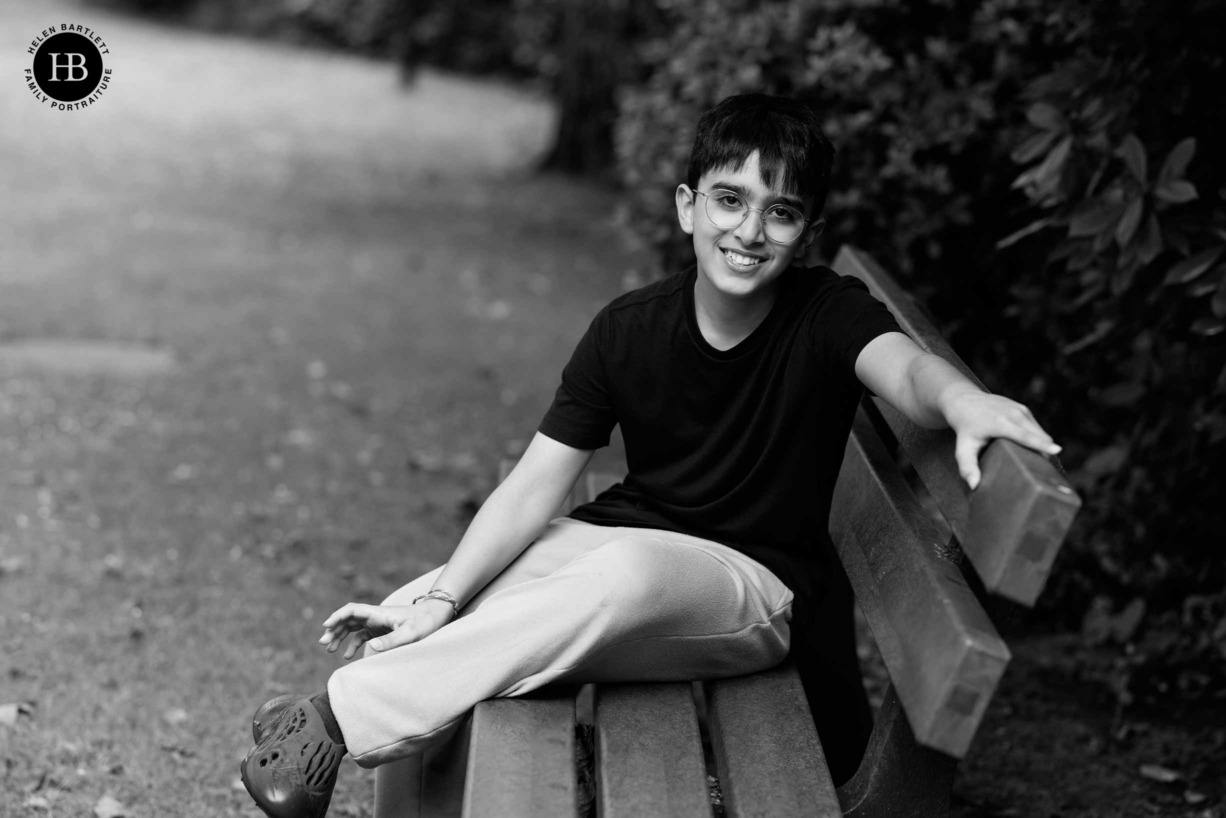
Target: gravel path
column 267, row 320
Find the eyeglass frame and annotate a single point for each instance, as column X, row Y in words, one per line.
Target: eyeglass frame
column 804, row 222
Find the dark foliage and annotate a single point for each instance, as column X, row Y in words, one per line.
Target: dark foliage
column 1048, row 173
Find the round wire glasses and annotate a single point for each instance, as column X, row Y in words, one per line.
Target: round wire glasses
column 727, row 209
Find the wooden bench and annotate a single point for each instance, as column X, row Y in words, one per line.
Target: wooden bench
column 905, row 563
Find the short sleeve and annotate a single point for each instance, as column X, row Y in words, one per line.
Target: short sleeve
column 581, row 414
column 848, row 320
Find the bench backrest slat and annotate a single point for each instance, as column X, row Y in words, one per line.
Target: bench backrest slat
column 649, row 753
column 1012, row 526
column 770, row 761
column 521, row 761
column 943, row 653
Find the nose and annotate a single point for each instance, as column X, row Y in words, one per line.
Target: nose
column 750, row 230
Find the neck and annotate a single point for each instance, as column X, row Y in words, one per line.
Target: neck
column 724, row 320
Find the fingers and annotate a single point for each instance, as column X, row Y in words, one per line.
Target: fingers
column 383, row 627
column 334, row 637
column 359, row 638
column 1016, row 424
column 966, row 453
column 417, row 623
column 354, row 619
column 355, row 611
column 406, row 634
column 1019, row 425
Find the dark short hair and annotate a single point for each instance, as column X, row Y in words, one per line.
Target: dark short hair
column 785, row 133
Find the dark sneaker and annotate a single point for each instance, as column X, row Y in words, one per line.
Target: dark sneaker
column 291, row 771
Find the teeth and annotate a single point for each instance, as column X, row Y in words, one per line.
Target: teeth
column 737, row 258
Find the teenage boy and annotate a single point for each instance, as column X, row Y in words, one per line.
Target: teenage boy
column 735, row 385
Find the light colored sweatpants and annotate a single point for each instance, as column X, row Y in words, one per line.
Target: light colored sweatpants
column 584, row 603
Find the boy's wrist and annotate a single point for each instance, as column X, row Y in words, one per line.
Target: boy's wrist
column 953, row 396
column 440, row 595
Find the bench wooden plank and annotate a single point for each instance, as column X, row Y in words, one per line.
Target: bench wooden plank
column 1011, row 528
column 942, row 652
column 521, row 761
column 770, row 761
column 649, row 752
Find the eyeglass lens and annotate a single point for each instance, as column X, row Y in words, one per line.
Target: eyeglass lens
column 727, row 210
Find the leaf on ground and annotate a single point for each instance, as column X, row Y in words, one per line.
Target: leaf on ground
column 36, row 802
column 1124, row 624
column 112, row 565
column 10, row 712
column 498, row 310
column 1106, row 461
column 11, row 565
column 175, row 716
column 178, row 751
column 108, row 807
column 428, row 462
column 463, row 461
column 183, row 472
column 1156, row 772
column 300, row 438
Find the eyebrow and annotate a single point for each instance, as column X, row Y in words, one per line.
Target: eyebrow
column 743, row 193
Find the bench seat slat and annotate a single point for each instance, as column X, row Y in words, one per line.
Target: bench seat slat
column 649, row 753
column 942, row 652
column 521, row 761
column 770, row 761
column 1012, row 526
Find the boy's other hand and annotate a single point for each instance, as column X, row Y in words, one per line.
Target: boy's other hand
column 383, row 626
column 978, row 417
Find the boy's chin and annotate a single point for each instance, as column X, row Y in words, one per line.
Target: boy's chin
column 742, row 283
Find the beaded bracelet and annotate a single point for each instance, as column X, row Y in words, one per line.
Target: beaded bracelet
column 443, row 595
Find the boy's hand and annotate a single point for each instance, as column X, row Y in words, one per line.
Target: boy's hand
column 384, row 626
column 978, row 417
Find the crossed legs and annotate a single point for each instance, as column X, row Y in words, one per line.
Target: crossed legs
column 583, row 603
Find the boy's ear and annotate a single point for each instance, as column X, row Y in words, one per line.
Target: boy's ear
column 804, row 255
column 685, row 208
column 814, row 230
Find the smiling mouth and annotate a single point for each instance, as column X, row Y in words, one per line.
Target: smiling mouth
column 739, row 259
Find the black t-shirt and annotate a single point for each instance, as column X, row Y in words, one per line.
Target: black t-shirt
column 739, row 446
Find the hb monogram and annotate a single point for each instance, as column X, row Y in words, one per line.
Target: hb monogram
column 68, row 71
column 72, row 65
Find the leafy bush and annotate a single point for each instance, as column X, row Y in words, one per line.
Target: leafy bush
column 1048, row 174
column 1127, row 302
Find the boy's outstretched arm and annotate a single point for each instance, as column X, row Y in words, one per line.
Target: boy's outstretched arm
column 935, row 395
column 509, row 520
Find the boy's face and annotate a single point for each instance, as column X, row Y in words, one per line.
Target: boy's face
column 741, row 261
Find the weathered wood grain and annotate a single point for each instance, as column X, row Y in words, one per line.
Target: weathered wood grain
column 649, row 752
column 1012, row 526
column 943, row 654
column 521, row 761
column 770, row 761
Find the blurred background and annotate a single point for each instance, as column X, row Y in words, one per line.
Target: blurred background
column 272, row 308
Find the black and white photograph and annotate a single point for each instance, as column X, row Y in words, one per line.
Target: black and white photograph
column 612, row 409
